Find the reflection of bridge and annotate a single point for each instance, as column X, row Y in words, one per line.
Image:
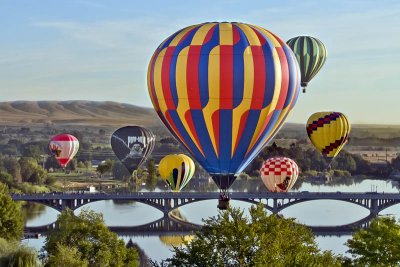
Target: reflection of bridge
column 168, row 201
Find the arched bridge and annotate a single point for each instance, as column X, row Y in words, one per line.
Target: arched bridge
column 168, row 201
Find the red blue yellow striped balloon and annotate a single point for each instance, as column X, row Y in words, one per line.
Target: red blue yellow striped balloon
column 223, row 90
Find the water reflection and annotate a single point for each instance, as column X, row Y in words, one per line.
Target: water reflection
column 175, row 240
column 127, row 214
column 35, row 214
column 319, row 212
column 326, row 212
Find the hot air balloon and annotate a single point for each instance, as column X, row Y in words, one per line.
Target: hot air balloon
column 311, row 54
column 176, row 171
column 132, row 145
column 64, row 147
column 329, row 132
column 223, row 90
column 279, row 174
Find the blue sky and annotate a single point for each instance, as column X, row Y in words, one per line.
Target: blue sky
column 99, row 50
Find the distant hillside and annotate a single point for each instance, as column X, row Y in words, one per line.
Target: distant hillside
column 91, row 113
column 76, row 113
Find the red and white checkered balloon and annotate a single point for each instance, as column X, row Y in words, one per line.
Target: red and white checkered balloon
column 279, row 174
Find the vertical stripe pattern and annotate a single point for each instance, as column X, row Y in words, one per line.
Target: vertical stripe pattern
column 176, row 171
column 329, row 132
column 223, row 90
column 311, row 54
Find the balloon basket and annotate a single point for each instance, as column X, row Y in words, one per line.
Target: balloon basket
column 223, row 202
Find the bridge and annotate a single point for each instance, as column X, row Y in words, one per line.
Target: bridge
column 169, row 201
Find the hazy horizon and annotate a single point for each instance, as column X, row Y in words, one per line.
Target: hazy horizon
column 99, row 51
column 151, row 108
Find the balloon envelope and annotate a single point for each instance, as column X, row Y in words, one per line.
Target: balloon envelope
column 132, row 145
column 328, row 132
column 311, row 54
column 64, row 147
column 176, row 240
column 279, row 174
column 176, row 171
column 223, row 90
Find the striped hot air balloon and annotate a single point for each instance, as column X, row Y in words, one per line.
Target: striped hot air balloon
column 223, row 90
column 329, row 132
column 279, row 174
column 176, row 171
column 64, row 147
column 311, row 54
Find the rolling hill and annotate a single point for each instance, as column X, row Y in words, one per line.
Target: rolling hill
column 76, row 113
column 92, row 113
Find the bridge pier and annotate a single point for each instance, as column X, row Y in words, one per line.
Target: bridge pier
column 275, row 206
column 167, row 207
column 374, row 207
column 68, row 203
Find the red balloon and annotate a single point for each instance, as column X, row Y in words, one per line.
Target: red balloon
column 64, row 147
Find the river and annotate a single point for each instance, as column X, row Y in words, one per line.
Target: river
column 315, row 213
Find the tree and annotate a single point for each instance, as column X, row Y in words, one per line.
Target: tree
column 396, row 162
column 104, row 167
column 344, row 161
column 12, row 253
column 232, row 239
column 67, row 256
column 11, row 224
column 7, row 179
column 152, row 170
column 51, row 162
column 120, row 172
column 377, row 245
column 72, row 165
column 11, row 166
column 32, row 151
column 28, row 167
column 88, row 234
column 7, row 149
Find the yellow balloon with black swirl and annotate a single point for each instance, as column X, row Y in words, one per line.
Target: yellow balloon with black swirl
column 329, row 132
column 176, row 171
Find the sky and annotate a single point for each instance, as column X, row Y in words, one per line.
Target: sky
column 100, row 50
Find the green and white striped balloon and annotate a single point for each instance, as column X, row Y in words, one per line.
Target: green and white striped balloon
column 311, row 54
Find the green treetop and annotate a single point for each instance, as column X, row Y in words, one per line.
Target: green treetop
column 11, row 224
column 377, row 245
column 87, row 237
column 232, row 239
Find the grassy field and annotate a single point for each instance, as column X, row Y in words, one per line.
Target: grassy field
column 82, row 179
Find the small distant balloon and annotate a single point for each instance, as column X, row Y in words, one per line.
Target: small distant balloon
column 132, row 145
column 311, row 54
column 328, row 132
column 176, row 171
column 279, row 174
column 64, row 147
